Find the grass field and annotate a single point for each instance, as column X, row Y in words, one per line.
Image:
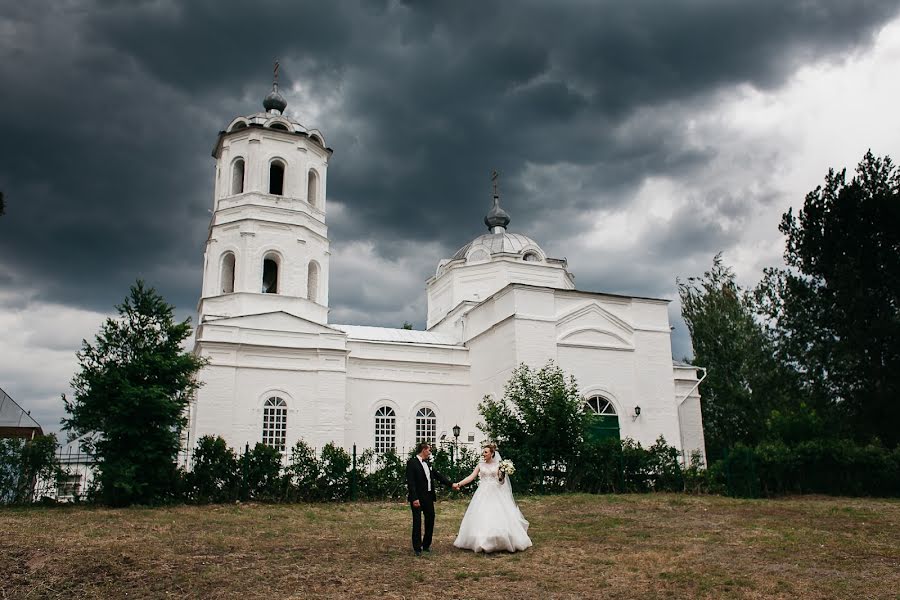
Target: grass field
column 630, row 546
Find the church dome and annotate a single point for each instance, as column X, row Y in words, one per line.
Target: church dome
column 275, row 101
column 502, row 243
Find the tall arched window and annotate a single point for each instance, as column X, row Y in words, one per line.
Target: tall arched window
column 276, row 177
column 237, row 177
column 385, row 429
column 270, row 274
column 227, row 274
column 274, row 430
column 312, row 188
column 604, row 422
column 312, row 282
column 426, row 425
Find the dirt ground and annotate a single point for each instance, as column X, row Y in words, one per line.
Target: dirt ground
column 612, row 546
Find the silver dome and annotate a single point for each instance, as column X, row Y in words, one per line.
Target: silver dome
column 500, row 243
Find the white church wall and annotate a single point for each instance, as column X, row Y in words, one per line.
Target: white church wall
column 237, row 384
column 655, row 388
column 492, row 356
column 405, row 387
column 687, row 397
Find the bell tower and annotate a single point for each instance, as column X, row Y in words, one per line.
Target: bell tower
column 268, row 248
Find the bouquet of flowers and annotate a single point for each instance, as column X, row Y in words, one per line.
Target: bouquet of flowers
column 507, row 467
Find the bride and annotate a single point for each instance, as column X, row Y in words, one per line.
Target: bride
column 492, row 522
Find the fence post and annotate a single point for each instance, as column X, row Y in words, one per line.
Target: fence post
column 245, row 492
column 541, row 463
column 353, row 476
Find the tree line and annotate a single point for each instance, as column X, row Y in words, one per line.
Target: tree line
column 809, row 358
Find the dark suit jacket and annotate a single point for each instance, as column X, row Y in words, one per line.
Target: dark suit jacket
column 417, row 484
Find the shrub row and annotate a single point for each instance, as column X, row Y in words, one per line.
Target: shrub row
column 260, row 473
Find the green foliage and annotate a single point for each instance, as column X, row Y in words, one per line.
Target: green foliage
column 261, row 472
column 745, row 381
column 821, row 466
column 387, row 480
column 456, row 463
column 302, row 472
column 834, row 312
column 132, row 391
column 23, row 463
column 334, row 474
column 539, row 422
column 407, row 325
column 214, row 476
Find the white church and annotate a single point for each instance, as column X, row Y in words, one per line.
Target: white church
column 279, row 371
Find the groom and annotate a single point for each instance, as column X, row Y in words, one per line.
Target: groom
column 420, row 483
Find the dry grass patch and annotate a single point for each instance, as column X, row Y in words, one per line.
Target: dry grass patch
column 641, row 546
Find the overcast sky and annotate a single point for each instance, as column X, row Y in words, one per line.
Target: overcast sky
column 636, row 139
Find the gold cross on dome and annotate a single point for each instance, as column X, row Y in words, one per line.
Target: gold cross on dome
column 494, row 177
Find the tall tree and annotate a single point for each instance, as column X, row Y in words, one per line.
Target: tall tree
column 539, row 419
column 745, row 382
column 131, row 394
column 835, row 310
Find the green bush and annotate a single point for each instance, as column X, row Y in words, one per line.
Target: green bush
column 23, row 463
column 215, row 476
column 812, row 466
column 333, row 482
column 302, row 473
column 261, row 473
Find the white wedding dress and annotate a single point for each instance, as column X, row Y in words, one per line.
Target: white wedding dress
column 493, row 522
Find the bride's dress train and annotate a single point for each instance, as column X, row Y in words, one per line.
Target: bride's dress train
column 493, row 522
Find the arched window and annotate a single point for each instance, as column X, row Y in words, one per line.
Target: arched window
column 316, row 139
column 312, row 188
column 227, row 273
column 237, row 177
column 385, row 429
column 276, row 178
column 426, row 425
column 270, row 274
column 280, row 126
column 604, row 422
column 312, row 282
column 531, row 257
column 274, row 430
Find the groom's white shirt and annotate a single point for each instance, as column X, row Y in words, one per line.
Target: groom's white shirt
column 427, row 471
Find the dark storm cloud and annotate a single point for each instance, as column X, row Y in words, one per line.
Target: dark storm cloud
column 110, row 110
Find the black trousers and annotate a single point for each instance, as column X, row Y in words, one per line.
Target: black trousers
column 426, row 507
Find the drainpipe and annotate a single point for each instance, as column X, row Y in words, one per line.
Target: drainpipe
column 678, row 413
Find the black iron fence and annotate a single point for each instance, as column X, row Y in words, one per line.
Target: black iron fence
column 212, row 472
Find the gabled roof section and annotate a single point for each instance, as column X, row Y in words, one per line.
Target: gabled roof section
column 280, row 321
column 402, row 336
column 14, row 420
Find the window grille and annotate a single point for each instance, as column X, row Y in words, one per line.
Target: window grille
column 385, row 429
column 426, row 425
column 274, row 431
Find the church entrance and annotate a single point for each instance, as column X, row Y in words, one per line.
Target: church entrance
column 603, row 420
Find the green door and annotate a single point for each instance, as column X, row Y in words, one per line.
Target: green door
column 602, row 427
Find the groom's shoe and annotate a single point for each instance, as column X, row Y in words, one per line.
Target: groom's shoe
column 428, row 550
column 419, row 552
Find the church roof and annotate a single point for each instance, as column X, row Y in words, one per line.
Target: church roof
column 14, row 420
column 499, row 243
column 402, row 336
